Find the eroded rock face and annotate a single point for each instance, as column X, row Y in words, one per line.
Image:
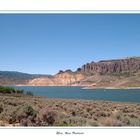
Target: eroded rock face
column 113, row 66
column 60, row 79
column 45, row 81
column 68, row 78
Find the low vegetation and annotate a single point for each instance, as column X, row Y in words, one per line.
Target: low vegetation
column 38, row 111
column 13, row 91
column 125, row 74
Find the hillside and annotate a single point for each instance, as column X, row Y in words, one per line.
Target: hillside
column 14, row 78
column 60, row 79
column 112, row 73
column 119, row 73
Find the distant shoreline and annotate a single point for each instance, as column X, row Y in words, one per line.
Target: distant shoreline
column 111, row 88
column 83, row 87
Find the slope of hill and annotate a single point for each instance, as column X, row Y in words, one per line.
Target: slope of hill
column 61, row 79
column 14, row 78
column 112, row 73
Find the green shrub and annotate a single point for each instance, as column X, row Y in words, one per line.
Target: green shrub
column 10, row 90
column 128, row 120
column 7, row 90
column 73, row 121
column 46, row 117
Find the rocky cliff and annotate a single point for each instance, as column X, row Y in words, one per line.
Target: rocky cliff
column 112, row 66
column 61, row 79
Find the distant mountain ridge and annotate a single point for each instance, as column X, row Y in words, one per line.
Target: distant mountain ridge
column 105, row 73
column 14, row 77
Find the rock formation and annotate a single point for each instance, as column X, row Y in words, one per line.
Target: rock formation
column 112, row 66
column 110, row 73
column 66, row 78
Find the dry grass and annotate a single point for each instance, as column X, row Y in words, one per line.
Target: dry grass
column 38, row 111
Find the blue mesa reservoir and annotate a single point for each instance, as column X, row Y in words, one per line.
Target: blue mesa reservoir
column 121, row 95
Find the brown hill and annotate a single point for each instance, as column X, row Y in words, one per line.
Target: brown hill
column 110, row 81
column 60, row 79
column 112, row 73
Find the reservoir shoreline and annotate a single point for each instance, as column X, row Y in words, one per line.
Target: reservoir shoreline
column 83, row 87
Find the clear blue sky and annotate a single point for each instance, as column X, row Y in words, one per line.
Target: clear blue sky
column 47, row 43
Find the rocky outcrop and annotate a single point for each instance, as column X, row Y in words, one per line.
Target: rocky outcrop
column 112, row 66
column 67, row 78
column 43, row 81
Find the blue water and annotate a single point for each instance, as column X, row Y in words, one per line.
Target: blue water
column 121, row 95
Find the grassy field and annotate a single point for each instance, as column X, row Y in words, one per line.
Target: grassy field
column 26, row 110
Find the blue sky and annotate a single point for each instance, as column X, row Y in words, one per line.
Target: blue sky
column 47, row 43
